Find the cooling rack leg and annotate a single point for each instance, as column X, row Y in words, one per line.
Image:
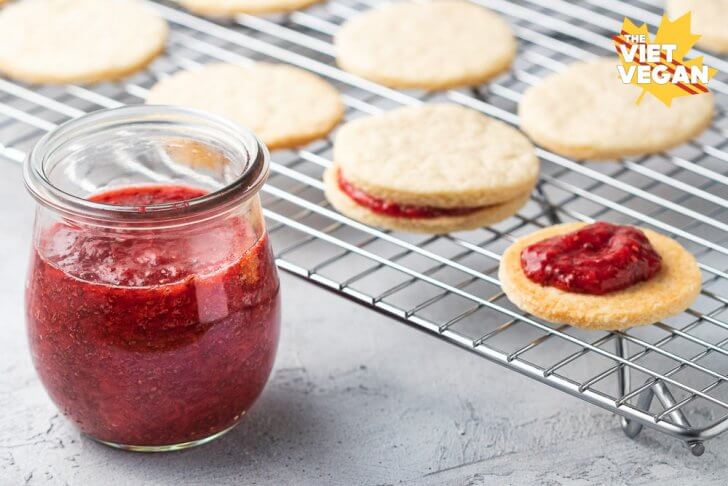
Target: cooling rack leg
column 667, row 400
column 632, row 428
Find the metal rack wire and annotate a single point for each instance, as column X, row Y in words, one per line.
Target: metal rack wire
column 447, row 285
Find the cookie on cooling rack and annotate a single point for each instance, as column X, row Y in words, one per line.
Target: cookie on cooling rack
column 285, row 106
column 69, row 41
column 233, row 7
column 586, row 112
column 709, row 19
column 429, row 45
column 599, row 276
column 433, row 168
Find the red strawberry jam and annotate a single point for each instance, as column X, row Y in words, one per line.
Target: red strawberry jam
column 596, row 259
column 396, row 210
column 156, row 337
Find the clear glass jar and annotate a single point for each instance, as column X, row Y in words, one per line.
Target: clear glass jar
column 152, row 298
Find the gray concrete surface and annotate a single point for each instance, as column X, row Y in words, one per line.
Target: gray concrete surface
column 355, row 398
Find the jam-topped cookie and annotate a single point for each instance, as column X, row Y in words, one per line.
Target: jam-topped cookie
column 599, row 276
column 432, row 168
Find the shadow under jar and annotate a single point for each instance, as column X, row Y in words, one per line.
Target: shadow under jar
column 152, row 298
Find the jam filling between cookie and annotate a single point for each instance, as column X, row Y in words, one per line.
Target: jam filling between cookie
column 596, row 259
column 394, row 209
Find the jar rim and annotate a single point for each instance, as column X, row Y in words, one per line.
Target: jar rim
column 242, row 188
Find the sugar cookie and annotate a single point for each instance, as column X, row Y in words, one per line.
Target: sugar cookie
column 709, row 19
column 232, row 7
column 586, row 112
column 431, row 45
column 68, row 41
column 669, row 292
column 283, row 105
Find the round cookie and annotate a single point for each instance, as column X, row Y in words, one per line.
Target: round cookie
column 486, row 216
column 430, row 45
column 441, row 155
column 84, row 41
column 283, row 105
column 233, row 7
column 672, row 290
column 586, row 112
column 709, row 19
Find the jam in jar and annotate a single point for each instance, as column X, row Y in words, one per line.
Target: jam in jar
column 152, row 300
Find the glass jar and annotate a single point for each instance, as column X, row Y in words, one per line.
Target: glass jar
column 152, row 298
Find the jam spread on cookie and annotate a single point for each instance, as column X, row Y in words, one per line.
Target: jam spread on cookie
column 596, row 259
column 156, row 338
column 393, row 209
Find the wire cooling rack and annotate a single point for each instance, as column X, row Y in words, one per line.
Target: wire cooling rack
column 670, row 376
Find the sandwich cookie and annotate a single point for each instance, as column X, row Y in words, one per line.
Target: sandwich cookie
column 432, row 168
column 586, row 112
column 429, row 45
column 285, row 106
column 709, row 19
column 78, row 41
column 599, row 276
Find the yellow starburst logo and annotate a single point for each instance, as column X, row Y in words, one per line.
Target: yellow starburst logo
column 658, row 65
